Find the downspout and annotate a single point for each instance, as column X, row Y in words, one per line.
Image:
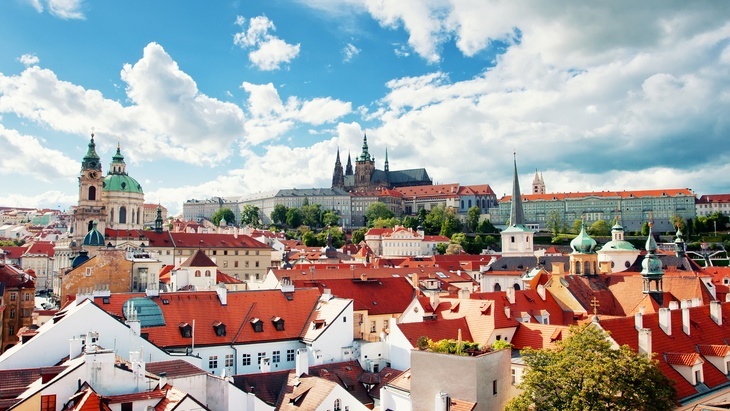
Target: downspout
column 233, row 342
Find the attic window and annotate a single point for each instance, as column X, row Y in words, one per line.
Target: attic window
column 165, row 301
column 105, row 300
column 220, row 329
column 317, row 324
column 186, row 330
column 257, row 324
column 278, row 323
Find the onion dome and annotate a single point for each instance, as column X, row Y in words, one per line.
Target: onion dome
column 651, row 266
column 91, row 160
column 117, row 180
column 583, row 243
column 80, row 259
column 94, row 238
column 679, row 243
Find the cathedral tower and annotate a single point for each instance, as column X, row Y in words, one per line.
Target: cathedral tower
column 90, row 208
column 338, row 178
column 517, row 239
column 538, row 184
column 364, row 168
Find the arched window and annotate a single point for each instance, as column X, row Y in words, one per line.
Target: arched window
column 517, row 287
column 587, row 267
column 497, row 287
column 338, row 405
column 207, row 273
column 111, row 215
column 92, row 193
column 139, row 211
column 469, row 203
column 197, row 273
column 122, row 215
column 577, row 267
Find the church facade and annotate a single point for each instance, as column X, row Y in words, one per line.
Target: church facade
column 365, row 177
column 112, row 201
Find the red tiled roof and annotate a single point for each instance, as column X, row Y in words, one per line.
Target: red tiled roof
column 204, row 308
column 41, row 248
column 714, row 350
column 265, row 386
column 715, row 198
column 185, row 240
column 686, row 359
column 538, row 336
column 670, row 192
column 135, row 396
column 445, row 190
column 437, row 330
column 13, row 252
column 226, row 279
column 86, row 400
column 377, row 296
column 198, row 259
column 173, row 368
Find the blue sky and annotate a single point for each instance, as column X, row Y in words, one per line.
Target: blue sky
column 233, row 98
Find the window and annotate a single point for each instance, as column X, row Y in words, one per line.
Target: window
column 127, row 406
column 48, row 402
column 225, row 252
column 13, row 296
column 261, row 356
column 246, row 264
column 257, row 252
column 235, row 263
column 12, row 313
column 698, row 377
column 494, row 387
column 207, row 273
column 26, row 296
column 276, row 356
column 290, row 355
column 229, row 360
column 197, row 273
column 246, row 359
column 225, row 264
column 215, row 252
column 338, row 405
column 257, row 263
column 122, row 215
column 213, row 361
column 372, row 326
column 27, row 312
column 92, row 193
column 514, row 376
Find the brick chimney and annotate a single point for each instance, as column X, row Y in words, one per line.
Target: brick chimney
column 716, row 312
column 645, row 341
column 510, row 295
column 665, row 320
column 638, row 321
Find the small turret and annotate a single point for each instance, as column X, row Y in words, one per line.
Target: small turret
column 651, row 267
column 680, row 247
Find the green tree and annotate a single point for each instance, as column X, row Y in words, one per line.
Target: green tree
column 410, row 222
column 555, row 223
column 250, row 215
column 486, row 226
column 583, row 372
column 600, row 228
column 421, row 216
column 645, row 229
column 384, row 222
column 310, row 239
column 453, row 249
column 377, row 210
column 459, row 238
column 223, row 213
column 434, row 219
column 441, row 248
column 338, row 238
column 330, row 218
column 312, row 215
column 294, row 217
column 577, row 224
column 278, row 215
column 472, row 218
column 358, row 236
column 451, row 223
column 676, row 220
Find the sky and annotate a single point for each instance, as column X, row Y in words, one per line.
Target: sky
column 230, row 98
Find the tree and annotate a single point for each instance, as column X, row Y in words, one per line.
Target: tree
column 434, row 220
column 377, row 210
column 250, row 215
column 472, row 218
column 645, row 229
column 384, row 222
column 554, row 223
column 441, row 248
column 453, row 249
column 451, row 223
column 223, row 213
column 577, row 224
column 358, row 236
column 294, row 217
column 312, row 215
column 310, row 239
column 330, row 218
column 583, row 372
column 600, row 228
column 410, row 222
column 676, row 220
column 278, row 215
column 486, row 226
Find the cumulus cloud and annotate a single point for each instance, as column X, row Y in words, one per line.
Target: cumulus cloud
column 350, row 51
column 29, row 59
column 267, row 52
column 63, row 9
column 25, row 155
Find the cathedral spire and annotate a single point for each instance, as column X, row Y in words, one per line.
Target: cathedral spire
column 338, row 179
column 348, row 169
column 365, row 155
column 516, row 216
column 651, row 267
column 158, row 219
column 387, row 166
column 91, row 159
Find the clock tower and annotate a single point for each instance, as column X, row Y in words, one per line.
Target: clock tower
column 90, row 207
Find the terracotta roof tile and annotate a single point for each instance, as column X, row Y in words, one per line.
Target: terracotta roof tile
column 670, row 192
column 436, row 330
column 174, row 368
column 377, row 296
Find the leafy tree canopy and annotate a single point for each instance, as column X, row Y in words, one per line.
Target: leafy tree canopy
column 278, row 214
column 294, row 217
column 472, row 218
column 330, row 218
column 358, row 236
column 377, row 210
column 250, row 215
column 384, row 222
column 600, row 228
column 583, row 372
column 223, row 213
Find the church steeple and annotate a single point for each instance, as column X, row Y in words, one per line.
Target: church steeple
column 651, row 267
column 118, row 166
column 538, row 184
column 91, row 159
column 516, row 216
column 158, row 219
column 387, row 166
column 365, row 155
column 348, row 169
column 679, row 245
column 338, row 179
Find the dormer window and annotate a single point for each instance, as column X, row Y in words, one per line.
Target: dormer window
column 186, row 330
column 219, row 328
column 278, row 323
column 257, row 324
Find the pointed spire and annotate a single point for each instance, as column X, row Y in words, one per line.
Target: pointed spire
column 365, row 155
column 337, row 162
column 516, row 216
column 348, row 170
column 387, row 166
column 158, row 219
column 91, row 159
column 679, row 245
column 651, row 267
column 338, row 179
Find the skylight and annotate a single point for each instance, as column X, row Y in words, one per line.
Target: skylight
column 148, row 313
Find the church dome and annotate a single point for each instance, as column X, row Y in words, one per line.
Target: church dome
column 583, row 243
column 121, row 183
column 94, row 238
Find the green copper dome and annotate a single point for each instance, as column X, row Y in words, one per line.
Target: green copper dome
column 583, row 243
column 94, row 238
column 121, row 182
column 651, row 267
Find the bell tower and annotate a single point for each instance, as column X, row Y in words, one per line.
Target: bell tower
column 364, row 168
column 90, row 206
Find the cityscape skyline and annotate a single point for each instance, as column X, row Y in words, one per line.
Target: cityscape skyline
column 233, row 99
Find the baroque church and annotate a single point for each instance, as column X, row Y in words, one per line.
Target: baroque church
column 112, row 201
column 365, row 177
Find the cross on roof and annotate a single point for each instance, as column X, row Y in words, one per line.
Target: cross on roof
column 595, row 304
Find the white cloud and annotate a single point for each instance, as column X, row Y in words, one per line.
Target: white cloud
column 29, row 59
column 25, row 155
column 268, row 52
column 63, row 9
column 350, row 51
column 50, row 199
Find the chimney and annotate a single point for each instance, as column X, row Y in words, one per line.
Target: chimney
column 75, row 347
column 673, row 305
column 442, row 402
column 645, row 341
column 685, row 304
column 135, row 326
column 716, row 312
column 511, row 295
column 558, row 268
column 541, row 291
column 414, row 278
column 265, row 365
column 464, row 293
column 685, row 320
column 302, row 365
column 434, row 300
column 222, row 293
column 326, row 295
column 665, row 320
column 506, row 311
column 163, row 379
column 639, row 322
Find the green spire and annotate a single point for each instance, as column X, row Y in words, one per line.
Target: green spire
column 651, row 267
column 158, row 219
column 118, row 166
column 91, row 159
column 365, row 156
column 387, row 166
